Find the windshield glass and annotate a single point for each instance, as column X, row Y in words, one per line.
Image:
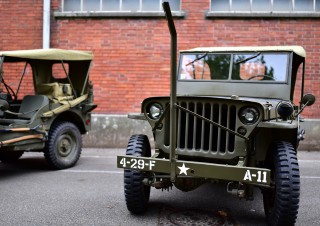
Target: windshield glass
column 253, row 67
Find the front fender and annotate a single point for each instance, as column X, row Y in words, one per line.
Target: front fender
column 279, row 124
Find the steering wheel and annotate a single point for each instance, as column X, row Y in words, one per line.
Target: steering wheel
column 4, row 105
column 261, row 76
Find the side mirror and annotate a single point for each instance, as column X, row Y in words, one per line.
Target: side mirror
column 308, row 99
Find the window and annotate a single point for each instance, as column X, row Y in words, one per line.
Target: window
column 117, row 8
column 260, row 67
column 117, row 5
column 59, row 70
column 269, row 8
column 249, row 67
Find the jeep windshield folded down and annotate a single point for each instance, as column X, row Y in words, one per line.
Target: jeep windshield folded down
column 230, row 117
column 43, row 111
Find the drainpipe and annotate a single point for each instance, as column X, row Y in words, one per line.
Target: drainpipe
column 46, row 25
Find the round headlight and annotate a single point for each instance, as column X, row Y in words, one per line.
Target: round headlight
column 285, row 110
column 248, row 115
column 155, row 111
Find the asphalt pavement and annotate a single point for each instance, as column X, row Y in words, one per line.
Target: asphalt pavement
column 91, row 193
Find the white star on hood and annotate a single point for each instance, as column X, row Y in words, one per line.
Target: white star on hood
column 183, row 169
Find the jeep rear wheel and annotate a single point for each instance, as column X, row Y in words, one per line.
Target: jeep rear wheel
column 10, row 156
column 281, row 203
column 136, row 193
column 63, row 147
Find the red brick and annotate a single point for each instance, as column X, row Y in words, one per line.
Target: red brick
column 132, row 56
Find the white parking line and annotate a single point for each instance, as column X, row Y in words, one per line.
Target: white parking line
column 92, row 171
column 98, row 157
column 309, row 177
column 309, row 161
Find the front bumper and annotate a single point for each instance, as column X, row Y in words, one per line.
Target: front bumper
column 246, row 175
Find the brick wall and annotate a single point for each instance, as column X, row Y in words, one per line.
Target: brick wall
column 131, row 56
column 20, row 24
column 20, row 28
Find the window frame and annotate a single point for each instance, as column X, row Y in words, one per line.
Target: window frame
column 116, row 14
column 229, row 79
column 268, row 13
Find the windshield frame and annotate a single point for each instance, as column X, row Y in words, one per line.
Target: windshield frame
column 204, row 55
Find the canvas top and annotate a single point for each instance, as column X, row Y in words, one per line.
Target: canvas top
column 296, row 49
column 47, row 54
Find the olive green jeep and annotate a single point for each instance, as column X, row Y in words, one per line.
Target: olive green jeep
column 47, row 108
column 230, row 117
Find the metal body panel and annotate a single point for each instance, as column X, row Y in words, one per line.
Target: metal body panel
column 229, row 117
column 28, row 129
column 247, row 175
column 198, row 138
column 277, row 124
column 227, row 89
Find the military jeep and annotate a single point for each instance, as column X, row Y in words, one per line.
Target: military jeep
column 230, row 118
column 46, row 106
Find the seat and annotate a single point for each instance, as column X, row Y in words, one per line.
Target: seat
column 55, row 91
column 29, row 105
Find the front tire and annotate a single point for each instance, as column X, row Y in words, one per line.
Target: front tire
column 63, row 147
column 281, row 203
column 136, row 193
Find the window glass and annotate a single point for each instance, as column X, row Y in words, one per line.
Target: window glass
column 72, row 5
column 150, row 5
column 118, row 5
column 230, row 7
column 261, row 5
column 260, row 67
column 130, row 5
column 303, row 5
column 174, row 5
column 111, row 5
column 91, row 5
column 204, row 66
column 282, row 5
column 219, row 65
column 220, row 5
column 240, row 5
column 249, row 67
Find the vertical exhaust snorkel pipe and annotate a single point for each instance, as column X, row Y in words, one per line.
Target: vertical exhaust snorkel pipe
column 173, row 88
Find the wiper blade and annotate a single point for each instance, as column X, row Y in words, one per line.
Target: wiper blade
column 199, row 58
column 249, row 58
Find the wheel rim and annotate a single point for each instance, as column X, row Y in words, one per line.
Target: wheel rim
column 66, row 145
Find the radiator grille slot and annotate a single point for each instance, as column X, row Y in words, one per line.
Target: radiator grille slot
column 194, row 133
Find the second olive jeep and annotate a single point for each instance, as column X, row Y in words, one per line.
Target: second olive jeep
column 230, row 117
column 47, row 108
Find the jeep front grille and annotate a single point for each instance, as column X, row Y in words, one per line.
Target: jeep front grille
column 194, row 133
